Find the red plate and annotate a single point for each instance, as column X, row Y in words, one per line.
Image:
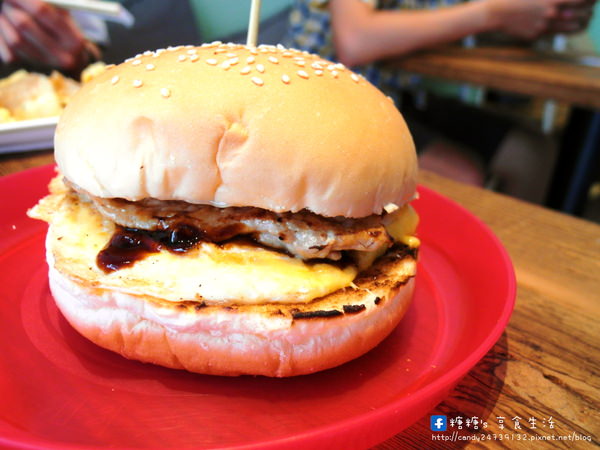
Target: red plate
column 58, row 390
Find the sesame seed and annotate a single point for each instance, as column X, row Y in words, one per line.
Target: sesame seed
column 147, row 53
column 317, row 66
column 257, row 81
column 192, row 51
column 302, row 74
column 231, row 55
column 136, row 62
column 335, row 73
column 220, row 50
column 300, row 62
column 194, row 58
column 234, row 61
column 189, row 46
column 331, row 67
column 115, row 79
column 254, row 51
column 286, row 79
column 273, row 60
column 318, row 72
column 150, row 67
column 246, row 70
column 139, row 55
column 280, row 47
column 260, row 68
column 137, row 83
column 287, row 54
column 165, row 92
column 355, row 78
column 225, row 65
column 212, row 61
column 250, row 59
column 340, row 66
column 181, row 58
column 216, row 43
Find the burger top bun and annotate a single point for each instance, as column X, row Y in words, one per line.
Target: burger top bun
column 229, row 125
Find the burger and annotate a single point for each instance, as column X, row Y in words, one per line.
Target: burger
column 232, row 210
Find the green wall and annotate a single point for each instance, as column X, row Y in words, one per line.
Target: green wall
column 219, row 18
column 594, row 28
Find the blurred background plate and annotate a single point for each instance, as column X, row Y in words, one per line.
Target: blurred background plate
column 25, row 135
column 59, row 390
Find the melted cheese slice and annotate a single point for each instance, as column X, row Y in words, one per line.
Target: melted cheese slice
column 402, row 224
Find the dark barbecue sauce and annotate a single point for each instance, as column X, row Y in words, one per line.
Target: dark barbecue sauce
column 128, row 245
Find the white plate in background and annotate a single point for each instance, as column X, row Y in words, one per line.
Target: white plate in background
column 25, row 135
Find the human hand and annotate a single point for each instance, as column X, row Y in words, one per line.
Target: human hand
column 572, row 18
column 529, row 19
column 37, row 33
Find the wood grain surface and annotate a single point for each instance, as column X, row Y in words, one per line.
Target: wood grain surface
column 16, row 162
column 547, row 363
column 517, row 70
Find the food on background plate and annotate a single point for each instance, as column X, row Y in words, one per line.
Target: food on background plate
column 29, row 95
column 26, row 95
column 232, row 210
column 92, row 71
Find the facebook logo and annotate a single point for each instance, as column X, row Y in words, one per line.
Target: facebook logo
column 438, row 423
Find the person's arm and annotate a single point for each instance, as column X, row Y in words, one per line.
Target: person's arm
column 362, row 34
column 33, row 32
column 573, row 18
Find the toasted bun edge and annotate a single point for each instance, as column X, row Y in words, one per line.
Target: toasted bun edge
column 231, row 341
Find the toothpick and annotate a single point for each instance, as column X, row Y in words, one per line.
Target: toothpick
column 253, row 24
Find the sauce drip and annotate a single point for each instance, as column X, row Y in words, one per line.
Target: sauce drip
column 128, row 245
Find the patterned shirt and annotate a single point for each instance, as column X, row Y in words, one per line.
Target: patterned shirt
column 310, row 30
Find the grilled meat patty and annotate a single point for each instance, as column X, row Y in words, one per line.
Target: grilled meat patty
column 303, row 234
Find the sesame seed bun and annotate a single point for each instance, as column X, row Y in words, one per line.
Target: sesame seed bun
column 231, row 126
column 228, row 125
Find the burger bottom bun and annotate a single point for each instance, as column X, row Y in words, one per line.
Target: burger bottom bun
column 270, row 340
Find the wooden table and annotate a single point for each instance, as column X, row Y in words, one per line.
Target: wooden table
column 513, row 69
column 571, row 79
column 547, row 363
